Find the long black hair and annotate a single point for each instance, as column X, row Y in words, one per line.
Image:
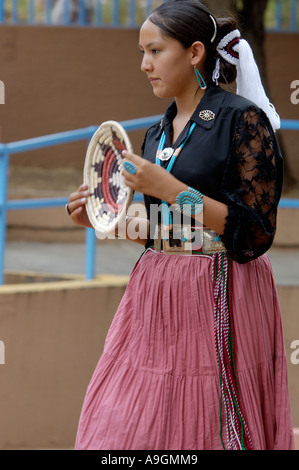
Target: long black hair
column 189, row 21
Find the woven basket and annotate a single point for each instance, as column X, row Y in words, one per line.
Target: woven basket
column 109, row 196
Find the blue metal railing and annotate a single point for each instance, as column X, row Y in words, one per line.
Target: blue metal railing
column 114, row 13
column 41, row 142
column 289, row 10
column 283, row 15
column 63, row 138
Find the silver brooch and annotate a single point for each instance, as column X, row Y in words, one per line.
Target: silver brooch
column 207, row 115
column 166, row 154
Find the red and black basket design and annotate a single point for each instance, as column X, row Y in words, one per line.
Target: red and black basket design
column 109, row 196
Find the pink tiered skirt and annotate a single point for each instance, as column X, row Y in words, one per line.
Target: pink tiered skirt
column 156, row 386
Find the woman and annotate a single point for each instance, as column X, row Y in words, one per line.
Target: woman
column 194, row 358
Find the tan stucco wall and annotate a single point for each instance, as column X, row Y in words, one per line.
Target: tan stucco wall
column 58, row 79
column 53, row 335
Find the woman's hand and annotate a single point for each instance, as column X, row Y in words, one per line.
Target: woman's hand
column 76, row 206
column 151, row 179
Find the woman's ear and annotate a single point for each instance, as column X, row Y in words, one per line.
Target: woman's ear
column 198, row 52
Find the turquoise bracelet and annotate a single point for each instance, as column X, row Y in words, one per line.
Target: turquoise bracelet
column 190, row 201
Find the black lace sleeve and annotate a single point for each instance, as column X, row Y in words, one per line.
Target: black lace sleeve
column 252, row 187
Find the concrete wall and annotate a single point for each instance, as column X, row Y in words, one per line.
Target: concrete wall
column 57, row 79
column 53, row 333
column 281, row 52
column 289, row 301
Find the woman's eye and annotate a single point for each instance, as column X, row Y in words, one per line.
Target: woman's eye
column 153, row 51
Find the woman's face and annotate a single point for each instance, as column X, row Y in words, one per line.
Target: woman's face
column 166, row 62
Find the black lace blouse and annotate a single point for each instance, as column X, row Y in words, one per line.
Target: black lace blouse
column 233, row 158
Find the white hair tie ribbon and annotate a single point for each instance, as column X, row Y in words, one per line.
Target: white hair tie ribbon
column 228, row 47
column 238, row 52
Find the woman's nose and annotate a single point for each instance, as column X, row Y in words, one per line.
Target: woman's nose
column 146, row 64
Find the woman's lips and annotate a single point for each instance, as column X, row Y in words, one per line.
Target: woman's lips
column 153, row 79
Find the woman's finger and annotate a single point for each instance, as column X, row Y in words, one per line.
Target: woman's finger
column 77, row 211
column 131, row 156
column 78, row 198
column 79, row 202
column 79, row 194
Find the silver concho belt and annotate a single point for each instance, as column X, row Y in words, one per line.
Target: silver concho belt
column 184, row 240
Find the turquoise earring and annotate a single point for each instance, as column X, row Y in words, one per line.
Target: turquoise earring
column 200, row 79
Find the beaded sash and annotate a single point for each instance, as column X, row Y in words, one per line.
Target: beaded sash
column 237, row 433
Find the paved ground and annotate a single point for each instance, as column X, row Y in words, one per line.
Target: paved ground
column 116, row 257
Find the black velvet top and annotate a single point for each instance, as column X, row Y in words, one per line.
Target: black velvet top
column 233, row 158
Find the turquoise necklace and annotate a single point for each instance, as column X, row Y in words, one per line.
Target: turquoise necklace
column 171, row 155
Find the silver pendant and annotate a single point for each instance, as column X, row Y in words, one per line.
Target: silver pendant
column 207, row 115
column 166, row 154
